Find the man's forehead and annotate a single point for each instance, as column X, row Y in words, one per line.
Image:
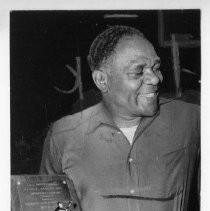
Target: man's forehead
column 133, row 40
column 146, row 60
column 131, row 57
column 136, row 47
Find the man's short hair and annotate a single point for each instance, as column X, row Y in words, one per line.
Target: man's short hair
column 105, row 43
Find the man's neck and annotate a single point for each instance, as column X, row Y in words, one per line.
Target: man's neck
column 121, row 120
column 124, row 122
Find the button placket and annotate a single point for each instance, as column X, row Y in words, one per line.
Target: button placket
column 122, row 139
column 132, row 172
column 130, row 160
column 132, row 191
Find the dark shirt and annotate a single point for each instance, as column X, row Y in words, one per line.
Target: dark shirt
column 109, row 174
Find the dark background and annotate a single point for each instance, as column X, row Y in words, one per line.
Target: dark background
column 43, row 42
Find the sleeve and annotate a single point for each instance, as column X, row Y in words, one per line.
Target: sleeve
column 198, row 121
column 196, row 178
column 51, row 157
column 198, row 160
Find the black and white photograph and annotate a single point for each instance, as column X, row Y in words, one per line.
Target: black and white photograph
column 105, row 110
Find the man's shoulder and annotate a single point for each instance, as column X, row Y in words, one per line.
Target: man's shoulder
column 180, row 112
column 178, row 105
column 75, row 121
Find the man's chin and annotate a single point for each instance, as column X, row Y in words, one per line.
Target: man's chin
column 149, row 111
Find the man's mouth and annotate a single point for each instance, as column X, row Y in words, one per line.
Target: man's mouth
column 152, row 94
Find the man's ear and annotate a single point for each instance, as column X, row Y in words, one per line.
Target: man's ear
column 100, row 79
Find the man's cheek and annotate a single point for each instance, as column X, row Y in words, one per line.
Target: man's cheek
column 119, row 86
column 134, row 88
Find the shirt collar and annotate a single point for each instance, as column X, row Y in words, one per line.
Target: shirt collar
column 100, row 116
column 163, row 100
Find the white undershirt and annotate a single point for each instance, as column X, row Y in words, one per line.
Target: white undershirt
column 129, row 132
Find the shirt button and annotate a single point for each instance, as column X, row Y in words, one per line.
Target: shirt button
column 130, row 160
column 132, row 191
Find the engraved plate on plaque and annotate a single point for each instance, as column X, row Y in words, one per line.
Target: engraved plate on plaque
column 42, row 192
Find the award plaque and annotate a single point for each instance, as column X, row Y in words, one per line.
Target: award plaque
column 43, row 192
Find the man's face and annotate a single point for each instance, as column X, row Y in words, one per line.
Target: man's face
column 134, row 78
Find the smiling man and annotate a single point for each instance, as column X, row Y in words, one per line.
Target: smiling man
column 130, row 152
column 129, row 80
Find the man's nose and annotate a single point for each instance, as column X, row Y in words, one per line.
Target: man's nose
column 151, row 77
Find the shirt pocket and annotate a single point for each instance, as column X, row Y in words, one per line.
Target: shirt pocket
column 165, row 174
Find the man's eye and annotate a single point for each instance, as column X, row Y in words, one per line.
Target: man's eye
column 139, row 73
column 156, row 70
column 136, row 74
column 140, row 69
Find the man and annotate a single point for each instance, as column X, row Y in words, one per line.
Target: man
column 130, row 152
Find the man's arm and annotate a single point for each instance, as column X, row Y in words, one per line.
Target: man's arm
column 51, row 158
